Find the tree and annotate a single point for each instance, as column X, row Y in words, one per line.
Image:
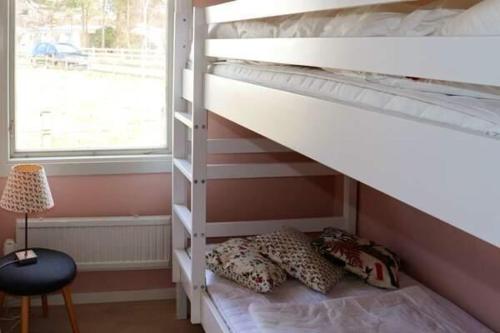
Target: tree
column 109, row 34
column 123, row 23
column 87, row 8
column 130, row 14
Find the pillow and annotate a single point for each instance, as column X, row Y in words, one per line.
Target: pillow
column 239, row 261
column 376, row 264
column 292, row 251
column 480, row 20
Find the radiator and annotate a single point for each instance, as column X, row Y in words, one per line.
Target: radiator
column 107, row 243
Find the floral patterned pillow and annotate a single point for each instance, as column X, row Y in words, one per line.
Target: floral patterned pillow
column 239, row 261
column 292, row 251
column 375, row 264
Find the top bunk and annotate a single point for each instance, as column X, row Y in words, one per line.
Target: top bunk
column 445, row 171
column 470, row 37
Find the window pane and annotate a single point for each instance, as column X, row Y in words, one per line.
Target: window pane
column 90, row 75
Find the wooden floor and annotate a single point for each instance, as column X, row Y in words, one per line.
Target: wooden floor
column 138, row 317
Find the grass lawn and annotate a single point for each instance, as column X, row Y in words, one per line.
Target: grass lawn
column 61, row 109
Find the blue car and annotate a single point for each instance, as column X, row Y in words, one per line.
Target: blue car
column 59, row 54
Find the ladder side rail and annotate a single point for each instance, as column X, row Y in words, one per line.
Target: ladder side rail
column 182, row 32
column 199, row 164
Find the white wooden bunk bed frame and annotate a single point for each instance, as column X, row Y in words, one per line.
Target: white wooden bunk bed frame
column 447, row 173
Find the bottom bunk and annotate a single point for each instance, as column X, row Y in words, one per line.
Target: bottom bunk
column 363, row 290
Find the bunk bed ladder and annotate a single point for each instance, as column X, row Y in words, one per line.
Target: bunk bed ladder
column 189, row 164
column 182, row 26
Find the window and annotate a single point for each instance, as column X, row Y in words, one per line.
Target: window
column 88, row 77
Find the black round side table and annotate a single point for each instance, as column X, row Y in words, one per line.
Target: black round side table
column 52, row 272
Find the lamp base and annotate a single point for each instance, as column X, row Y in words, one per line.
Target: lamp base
column 26, row 257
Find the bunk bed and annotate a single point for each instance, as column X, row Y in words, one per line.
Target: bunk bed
column 440, row 166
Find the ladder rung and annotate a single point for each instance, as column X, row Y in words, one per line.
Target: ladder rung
column 184, row 166
column 184, row 214
column 267, row 170
column 184, row 118
column 244, row 146
column 185, row 264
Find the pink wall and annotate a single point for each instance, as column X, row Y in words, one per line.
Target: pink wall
column 460, row 267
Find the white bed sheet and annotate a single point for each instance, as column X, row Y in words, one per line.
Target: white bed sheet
column 367, row 22
column 439, row 18
column 463, row 107
column 233, row 302
column 409, row 310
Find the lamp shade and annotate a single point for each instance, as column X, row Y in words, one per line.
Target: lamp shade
column 27, row 190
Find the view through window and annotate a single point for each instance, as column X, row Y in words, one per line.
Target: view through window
column 90, row 75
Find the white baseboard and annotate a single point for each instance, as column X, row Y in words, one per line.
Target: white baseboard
column 104, row 297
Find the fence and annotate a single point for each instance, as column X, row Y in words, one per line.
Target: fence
column 138, row 62
column 135, row 62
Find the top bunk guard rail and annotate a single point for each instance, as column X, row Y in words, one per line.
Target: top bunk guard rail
column 249, row 9
column 475, row 59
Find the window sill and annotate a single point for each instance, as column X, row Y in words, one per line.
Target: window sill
column 105, row 165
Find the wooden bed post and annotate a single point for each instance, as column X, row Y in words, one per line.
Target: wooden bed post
column 350, row 209
column 182, row 39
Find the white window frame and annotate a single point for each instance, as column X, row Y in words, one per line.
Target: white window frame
column 81, row 163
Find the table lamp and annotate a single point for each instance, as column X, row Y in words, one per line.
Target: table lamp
column 27, row 191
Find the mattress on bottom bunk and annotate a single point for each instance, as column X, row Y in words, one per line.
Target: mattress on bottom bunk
column 460, row 106
column 233, row 301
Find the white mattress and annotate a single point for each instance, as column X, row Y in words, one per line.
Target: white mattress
column 233, row 301
column 463, row 107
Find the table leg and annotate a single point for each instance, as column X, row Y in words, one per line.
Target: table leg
column 45, row 306
column 70, row 309
column 25, row 314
